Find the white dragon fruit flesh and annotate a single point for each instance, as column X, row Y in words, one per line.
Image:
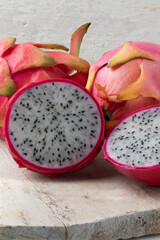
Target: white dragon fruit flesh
column 53, row 126
column 133, row 146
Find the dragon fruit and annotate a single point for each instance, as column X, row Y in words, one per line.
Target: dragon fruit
column 133, row 145
column 126, row 79
column 53, row 126
column 26, row 62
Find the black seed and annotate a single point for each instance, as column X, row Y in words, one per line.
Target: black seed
column 35, row 121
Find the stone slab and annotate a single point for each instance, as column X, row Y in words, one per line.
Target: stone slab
column 149, row 237
column 94, row 203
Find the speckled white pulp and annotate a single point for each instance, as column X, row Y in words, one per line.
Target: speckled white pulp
column 54, row 125
column 136, row 140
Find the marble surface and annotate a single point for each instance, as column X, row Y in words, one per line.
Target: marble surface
column 95, row 202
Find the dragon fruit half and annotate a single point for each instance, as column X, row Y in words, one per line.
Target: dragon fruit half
column 133, row 145
column 53, row 126
column 26, row 62
column 126, row 79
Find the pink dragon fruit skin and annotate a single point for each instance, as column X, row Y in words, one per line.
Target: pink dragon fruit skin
column 149, row 175
column 25, row 62
column 1, row 132
column 3, row 105
column 126, row 79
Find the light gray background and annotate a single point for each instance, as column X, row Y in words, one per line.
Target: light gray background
column 113, row 22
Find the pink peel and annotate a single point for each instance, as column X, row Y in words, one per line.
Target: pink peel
column 7, row 85
column 24, row 56
column 76, row 39
column 80, row 78
column 39, row 74
column 5, row 44
column 1, row 133
column 49, row 46
column 71, row 61
column 3, row 108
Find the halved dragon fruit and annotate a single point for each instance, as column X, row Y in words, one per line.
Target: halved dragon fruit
column 23, row 63
column 133, row 146
column 53, row 126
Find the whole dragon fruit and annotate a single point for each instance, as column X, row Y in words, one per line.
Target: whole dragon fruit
column 26, row 62
column 126, row 79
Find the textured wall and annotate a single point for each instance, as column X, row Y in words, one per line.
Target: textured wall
column 113, row 22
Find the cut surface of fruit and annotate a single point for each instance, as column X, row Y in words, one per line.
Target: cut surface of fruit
column 133, row 146
column 54, row 126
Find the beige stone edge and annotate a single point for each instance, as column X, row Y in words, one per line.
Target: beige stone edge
column 131, row 224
